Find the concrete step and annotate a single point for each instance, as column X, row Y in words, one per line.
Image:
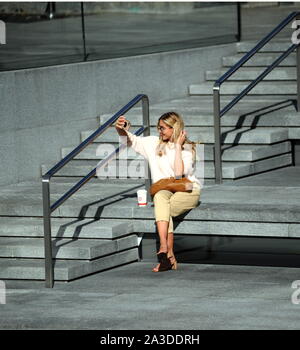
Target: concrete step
column 231, row 153
column 77, row 249
column 206, row 135
column 260, row 60
column 64, row 270
column 218, row 219
column 199, row 104
column 217, row 206
column 278, row 46
column 199, row 224
column 203, row 104
column 136, row 169
column 229, row 88
column 64, row 228
column 237, row 170
column 90, row 199
column 100, row 181
column 218, row 203
column 277, row 115
column 221, row 226
column 205, row 101
column 209, row 218
column 251, row 73
column 233, row 228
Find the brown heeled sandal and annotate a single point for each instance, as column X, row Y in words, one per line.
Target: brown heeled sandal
column 164, row 262
column 174, row 264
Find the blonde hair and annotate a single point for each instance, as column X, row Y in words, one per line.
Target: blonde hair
column 173, row 120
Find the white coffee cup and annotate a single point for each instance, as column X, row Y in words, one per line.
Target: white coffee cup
column 142, row 198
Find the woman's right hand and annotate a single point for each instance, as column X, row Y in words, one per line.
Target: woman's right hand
column 121, row 122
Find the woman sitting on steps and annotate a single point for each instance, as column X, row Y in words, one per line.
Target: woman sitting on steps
column 170, row 154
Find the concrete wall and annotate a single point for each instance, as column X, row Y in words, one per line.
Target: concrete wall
column 44, row 109
column 94, row 7
column 71, row 8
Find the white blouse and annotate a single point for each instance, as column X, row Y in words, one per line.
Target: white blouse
column 163, row 166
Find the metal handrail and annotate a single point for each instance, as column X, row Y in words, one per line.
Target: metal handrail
column 218, row 113
column 48, row 208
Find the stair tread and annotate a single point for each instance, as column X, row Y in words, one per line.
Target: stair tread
column 235, row 87
column 90, row 153
column 250, row 73
column 81, row 249
column 112, row 136
column 260, row 59
column 208, row 163
column 204, row 102
column 63, row 243
column 279, row 46
column 263, row 54
column 214, row 198
column 64, row 228
column 205, row 135
column 240, row 83
column 271, row 116
column 65, row 270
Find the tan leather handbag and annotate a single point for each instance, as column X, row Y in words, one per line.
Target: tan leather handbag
column 172, row 184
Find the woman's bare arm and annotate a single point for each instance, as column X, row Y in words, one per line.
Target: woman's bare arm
column 178, row 164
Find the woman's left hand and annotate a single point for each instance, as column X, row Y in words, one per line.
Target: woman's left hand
column 181, row 138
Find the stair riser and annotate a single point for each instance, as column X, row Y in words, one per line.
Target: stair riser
column 64, row 228
column 205, row 228
column 260, row 60
column 122, row 209
column 9, row 270
column 277, row 116
column 244, row 47
column 191, row 107
column 33, row 248
column 229, row 154
column 261, row 166
column 135, row 169
column 232, row 89
column 206, row 135
column 250, row 168
column 101, row 264
column 263, row 229
column 288, row 73
column 284, row 230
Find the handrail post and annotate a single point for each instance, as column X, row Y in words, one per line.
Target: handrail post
column 217, row 132
column 146, row 123
column 298, row 77
column 83, row 31
column 49, row 268
column 298, row 71
column 239, row 22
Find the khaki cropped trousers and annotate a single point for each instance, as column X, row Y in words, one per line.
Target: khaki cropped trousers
column 168, row 204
